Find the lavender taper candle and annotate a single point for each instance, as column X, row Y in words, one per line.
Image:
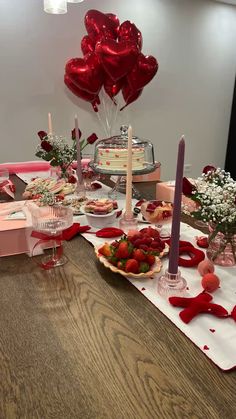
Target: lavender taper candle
column 175, row 230
column 79, row 164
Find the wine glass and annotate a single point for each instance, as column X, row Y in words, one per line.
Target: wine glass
column 52, row 220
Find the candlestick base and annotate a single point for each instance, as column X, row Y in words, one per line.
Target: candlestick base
column 80, row 191
column 171, row 285
column 128, row 223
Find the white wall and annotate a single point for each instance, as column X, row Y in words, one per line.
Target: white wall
column 193, row 40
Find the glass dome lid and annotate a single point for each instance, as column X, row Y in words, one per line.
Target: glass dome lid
column 111, row 154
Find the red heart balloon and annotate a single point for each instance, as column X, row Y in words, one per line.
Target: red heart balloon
column 86, row 73
column 117, row 58
column 112, row 88
column 143, row 72
column 82, row 94
column 129, row 95
column 98, row 23
column 115, row 22
column 128, row 31
column 87, row 45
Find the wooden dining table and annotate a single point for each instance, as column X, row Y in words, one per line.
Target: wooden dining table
column 82, row 342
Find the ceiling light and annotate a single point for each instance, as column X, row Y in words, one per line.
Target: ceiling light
column 57, row 7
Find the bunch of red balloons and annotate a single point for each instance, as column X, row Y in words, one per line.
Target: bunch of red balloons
column 112, row 59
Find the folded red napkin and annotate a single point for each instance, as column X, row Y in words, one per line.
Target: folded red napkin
column 67, row 234
column 72, row 231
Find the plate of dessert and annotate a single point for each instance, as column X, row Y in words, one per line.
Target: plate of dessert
column 100, row 212
column 40, row 185
column 154, row 212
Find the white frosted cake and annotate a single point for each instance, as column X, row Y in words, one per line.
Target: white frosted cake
column 116, row 158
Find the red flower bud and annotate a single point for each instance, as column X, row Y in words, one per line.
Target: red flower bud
column 46, row 145
column 208, row 169
column 73, row 134
column 92, row 138
column 42, row 135
column 188, row 187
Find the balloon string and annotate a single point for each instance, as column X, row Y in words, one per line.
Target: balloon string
column 102, row 123
column 106, row 113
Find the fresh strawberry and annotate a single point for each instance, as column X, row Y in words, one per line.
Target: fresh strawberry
column 105, row 250
column 144, row 267
column 132, row 265
column 150, row 208
column 113, row 260
column 150, row 231
column 139, row 255
column 115, row 244
column 121, row 264
column 202, row 242
column 143, row 247
column 150, row 259
column 124, row 249
column 137, row 243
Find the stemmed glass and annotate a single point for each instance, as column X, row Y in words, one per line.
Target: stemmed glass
column 51, row 221
column 161, row 219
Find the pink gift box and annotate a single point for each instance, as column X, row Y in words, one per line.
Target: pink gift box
column 150, row 177
column 165, row 192
column 15, row 235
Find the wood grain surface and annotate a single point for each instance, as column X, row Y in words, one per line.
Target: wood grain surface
column 82, row 342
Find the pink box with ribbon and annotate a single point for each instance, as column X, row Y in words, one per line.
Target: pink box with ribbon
column 15, row 234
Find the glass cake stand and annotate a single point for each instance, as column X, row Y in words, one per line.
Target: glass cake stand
column 114, row 149
column 120, row 185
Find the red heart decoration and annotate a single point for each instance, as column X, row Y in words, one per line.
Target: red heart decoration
column 128, row 31
column 129, row 95
column 206, row 348
column 86, row 73
column 87, row 45
column 112, row 88
column 98, row 23
column 82, row 94
column 212, row 330
column 115, row 23
column 117, row 58
column 143, row 72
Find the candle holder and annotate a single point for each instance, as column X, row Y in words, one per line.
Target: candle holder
column 171, row 284
column 80, row 191
column 127, row 223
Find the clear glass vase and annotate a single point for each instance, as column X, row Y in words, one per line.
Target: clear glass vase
column 222, row 249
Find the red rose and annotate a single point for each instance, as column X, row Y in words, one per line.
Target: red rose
column 188, row 187
column 46, row 145
column 73, row 134
column 208, row 169
column 42, row 135
column 92, row 138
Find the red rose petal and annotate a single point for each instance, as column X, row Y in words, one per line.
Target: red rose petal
column 206, row 348
column 212, row 330
column 143, row 289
